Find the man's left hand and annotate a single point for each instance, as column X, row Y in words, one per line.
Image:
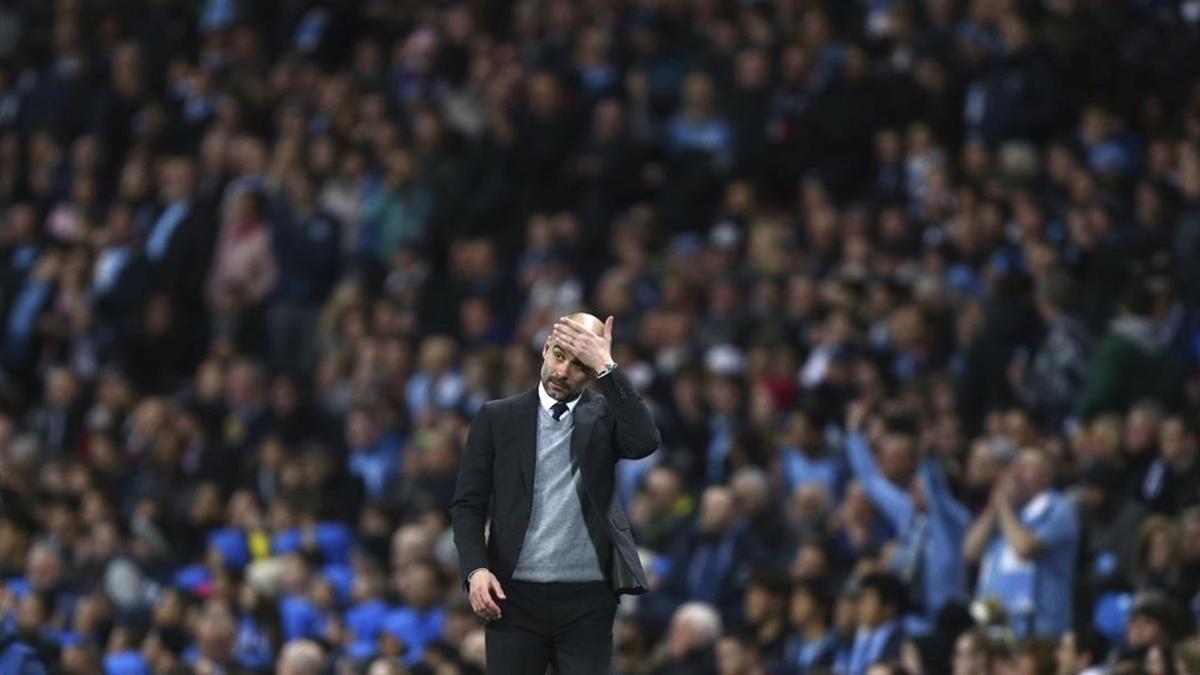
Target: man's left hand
column 593, row 351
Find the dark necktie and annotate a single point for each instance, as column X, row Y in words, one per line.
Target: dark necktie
column 558, row 410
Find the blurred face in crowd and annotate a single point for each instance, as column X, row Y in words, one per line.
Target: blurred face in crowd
column 751, row 494
column 717, row 510
column 402, row 168
column 1030, row 475
column 544, row 94
column 735, row 657
column 1140, row 428
column 1142, row 630
column 410, row 544
column 300, row 657
column 1161, row 550
column 43, row 568
column 872, row 611
column 663, row 489
column 803, row 608
column 300, row 189
column 420, row 586
column 686, row 635
column 697, row 94
column 360, row 430
column 77, row 660
column 61, row 387
column 856, row 505
column 898, row 457
column 1177, row 445
column 761, row 605
column 811, row 560
column 969, row 656
column 385, row 667
column 177, row 179
column 845, row 613
column 32, row 613
column 216, row 633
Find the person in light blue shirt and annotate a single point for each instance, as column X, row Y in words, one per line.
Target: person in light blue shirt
column 880, row 634
column 422, row 618
column 814, row 642
column 374, row 455
column 803, row 457
column 698, row 128
column 1026, row 542
column 930, row 524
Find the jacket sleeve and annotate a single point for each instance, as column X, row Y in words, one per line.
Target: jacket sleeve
column 636, row 435
column 473, row 494
column 893, row 502
column 946, row 510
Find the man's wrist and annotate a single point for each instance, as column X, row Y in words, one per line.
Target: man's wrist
column 472, row 573
column 606, row 368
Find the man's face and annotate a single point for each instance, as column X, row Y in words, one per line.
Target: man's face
column 969, row 658
column 1143, row 630
column 801, row 608
column 716, row 510
column 732, row 657
column 757, row 604
column 1175, row 445
column 563, row 375
column 897, row 457
column 1029, row 477
column 870, row 609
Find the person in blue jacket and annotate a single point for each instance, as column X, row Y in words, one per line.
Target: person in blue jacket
column 931, row 524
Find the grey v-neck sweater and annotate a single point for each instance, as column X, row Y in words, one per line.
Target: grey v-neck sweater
column 557, row 546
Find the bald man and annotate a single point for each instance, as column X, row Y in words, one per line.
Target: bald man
column 541, row 466
column 301, row 657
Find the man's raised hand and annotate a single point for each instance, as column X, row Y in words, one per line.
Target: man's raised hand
column 592, row 350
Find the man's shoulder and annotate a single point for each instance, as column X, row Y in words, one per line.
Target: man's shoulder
column 497, row 404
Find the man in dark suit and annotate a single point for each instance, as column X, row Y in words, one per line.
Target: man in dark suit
column 541, row 465
column 179, row 243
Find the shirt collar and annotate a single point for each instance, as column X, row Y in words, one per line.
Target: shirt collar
column 548, row 401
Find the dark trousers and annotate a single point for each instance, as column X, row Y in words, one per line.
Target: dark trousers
column 567, row 626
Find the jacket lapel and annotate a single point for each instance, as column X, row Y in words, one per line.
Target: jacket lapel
column 585, row 417
column 527, row 420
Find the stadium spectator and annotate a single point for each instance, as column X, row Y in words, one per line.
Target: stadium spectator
column 1027, row 558
column 691, row 640
column 1081, row 652
column 880, row 634
column 930, row 523
column 813, row 644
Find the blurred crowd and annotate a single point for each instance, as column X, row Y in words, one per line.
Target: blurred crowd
column 910, row 287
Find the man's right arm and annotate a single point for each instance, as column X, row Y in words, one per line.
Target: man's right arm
column 473, row 495
column 893, row 502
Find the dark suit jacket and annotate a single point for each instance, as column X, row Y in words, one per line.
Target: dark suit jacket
column 495, row 479
column 183, row 268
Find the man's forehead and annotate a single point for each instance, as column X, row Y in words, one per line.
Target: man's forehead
column 555, row 346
